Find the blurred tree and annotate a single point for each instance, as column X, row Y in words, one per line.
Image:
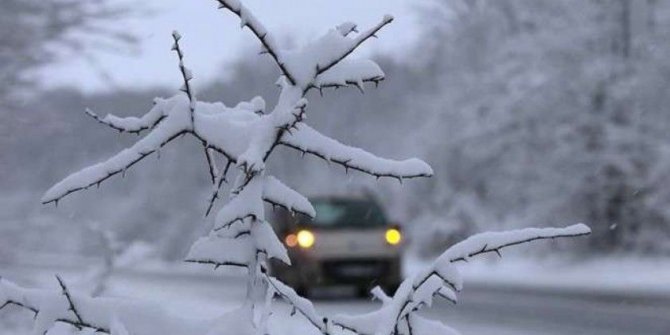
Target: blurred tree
column 34, row 33
column 552, row 111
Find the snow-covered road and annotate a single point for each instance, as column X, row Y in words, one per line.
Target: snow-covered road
column 481, row 311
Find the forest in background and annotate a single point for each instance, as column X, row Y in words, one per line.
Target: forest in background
column 532, row 113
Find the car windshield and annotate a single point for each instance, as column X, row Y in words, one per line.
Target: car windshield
column 334, row 213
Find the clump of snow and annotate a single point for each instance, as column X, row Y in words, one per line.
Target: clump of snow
column 350, row 72
column 275, row 192
column 221, row 251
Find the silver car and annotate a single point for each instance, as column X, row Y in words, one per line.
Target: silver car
column 349, row 242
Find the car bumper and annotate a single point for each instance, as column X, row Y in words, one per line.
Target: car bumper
column 311, row 272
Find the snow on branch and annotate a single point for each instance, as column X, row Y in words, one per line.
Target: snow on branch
column 299, row 304
column 370, row 323
column 441, row 278
column 186, row 74
column 71, row 307
column 318, row 64
column 246, row 136
column 495, row 241
column 211, row 164
column 350, row 72
column 247, row 19
column 266, row 132
column 278, row 194
column 133, row 125
column 48, row 307
column 219, row 180
column 238, row 246
column 248, row 203
column 309, row 66
column 220, row 129
column 335, row 57
column 101, row 315
column 165, row 132
column 218, row 252
column 308, row 140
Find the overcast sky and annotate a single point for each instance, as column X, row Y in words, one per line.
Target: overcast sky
column 212, row 37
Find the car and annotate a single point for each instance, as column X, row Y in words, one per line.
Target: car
column 349, row 242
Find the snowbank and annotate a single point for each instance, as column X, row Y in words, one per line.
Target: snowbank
column 624, row 276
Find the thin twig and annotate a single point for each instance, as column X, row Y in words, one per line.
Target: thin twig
column 186, row 75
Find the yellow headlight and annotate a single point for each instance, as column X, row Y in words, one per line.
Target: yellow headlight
column 305, row 239
column 393, row 236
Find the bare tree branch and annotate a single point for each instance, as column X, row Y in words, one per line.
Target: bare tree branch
column 99, row 173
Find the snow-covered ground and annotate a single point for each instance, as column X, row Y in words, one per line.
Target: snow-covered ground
column 624, row 276
column 510, row 297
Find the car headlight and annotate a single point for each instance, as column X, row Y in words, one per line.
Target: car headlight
column 305, row 239
column 291, row 240
column 393, row 236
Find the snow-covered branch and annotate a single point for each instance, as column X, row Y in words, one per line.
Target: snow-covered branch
column 211, row 164
column 495, row 241
column 248, row 203
column 219, row 180
column 442, row 279
column 50, row 307
column 165, row 132
column 218, row 252
column 71, row 307
column 298, row 303
column 278, row 194
column 106, row 315
column 238, row 246
column 308, row 140
column 268, row 130
column 247, row 19
column 244, row 134
column 186, row 74
column 350, row 72
column 321, row 63
column 132, row 125
column 345, row 51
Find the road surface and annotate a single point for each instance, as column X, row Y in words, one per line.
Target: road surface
column 482, row 310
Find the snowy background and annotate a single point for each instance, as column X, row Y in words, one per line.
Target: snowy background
column 531, row 113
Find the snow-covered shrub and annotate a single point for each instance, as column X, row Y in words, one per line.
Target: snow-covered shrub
column 245, row 135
